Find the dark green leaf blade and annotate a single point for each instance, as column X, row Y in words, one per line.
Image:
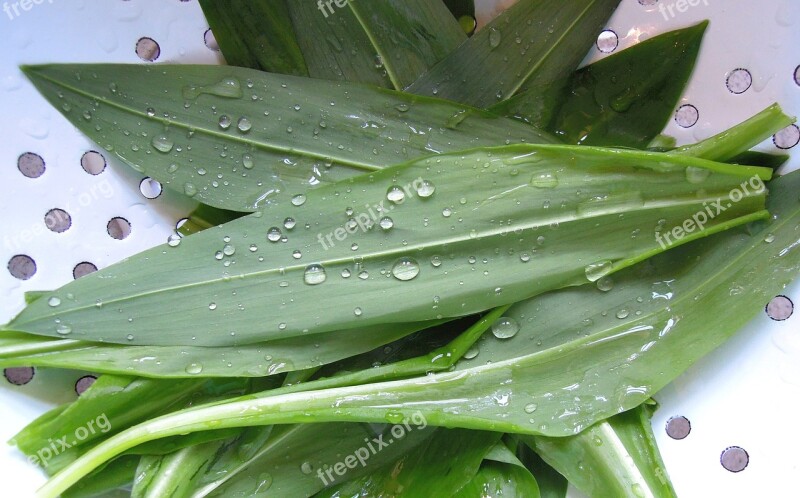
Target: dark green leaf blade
column 221, row 284
column 498, row 480
column 492, row 65
column 296, row 133
column 620, row 454
column 625, row 99
column 257, row 34
column 382, row 42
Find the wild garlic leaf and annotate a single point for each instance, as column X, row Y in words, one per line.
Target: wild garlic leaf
column 530, row 45
column 616, row 457
column 625, row 99
column 448, row 236
column 387, row 43
column 255, row 33
column 236, row 138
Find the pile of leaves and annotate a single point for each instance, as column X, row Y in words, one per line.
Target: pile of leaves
column 427, row 261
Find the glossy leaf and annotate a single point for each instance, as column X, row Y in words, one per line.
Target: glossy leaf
column 459, row 210
column 519, row 385
column 440, row 466
column 250, row 360
column 616, row 457
column 109, row 482
column 213, row 137
column 528, row 46
column 387, row 43
column 255, row 33
column 625, row 99
column 498, row 480
column 173, row 475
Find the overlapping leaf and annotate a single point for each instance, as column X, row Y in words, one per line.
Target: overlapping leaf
column 449, row 236
column 234, row 138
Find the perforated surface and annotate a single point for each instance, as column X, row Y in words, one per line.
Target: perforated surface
column 726, row 428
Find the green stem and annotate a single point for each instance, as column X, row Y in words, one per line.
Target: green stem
column 740, row 138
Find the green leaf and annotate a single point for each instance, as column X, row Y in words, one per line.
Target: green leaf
column 530, row 45
column 498, row 480
column 173, row 475
column 300, row 132
column 255, row 33
column 625, row 99
column 529, row 383
column 457, row 211
column 440, row 466
column 551, row 483
column 249, row 360
column 387, row 43
column 616, row 457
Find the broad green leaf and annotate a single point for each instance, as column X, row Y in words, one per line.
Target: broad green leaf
column 625, row 99
column 236, row 138
column 440, row 466
column 551, row 483
column 586, row 212
column 530, row 45
column 616, row 457
column 255, row 33
column 248, row 360
column 530, row 383
column 387, row 43
column 173, row 475
column 520, row 384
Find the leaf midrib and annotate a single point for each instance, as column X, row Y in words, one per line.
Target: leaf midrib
column 207, row 131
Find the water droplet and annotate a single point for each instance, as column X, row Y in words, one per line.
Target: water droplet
column 297, row 254
column 54, row 301
column 253, row 248
column 386, row 223
column 505, row 328
column 524, row 257
column 194, row 368
column 354, row 247
column 212, row 306
column 314, row 274
column 697, row 175
column 596, row 271
column 299, row 200
column 247, row 162
column 530, row 407
column 544, row 180
column 494, row 37
column 623, row 313
column 436, row 261
column 151, row 112
column 472, row 352
column 306, row 468
column 130, row 337
column 224, row 122
column 425, row 189
column 162, row 143
column 405, row 269
column 227, row 88
column 357, row 312
column 769, row 239
column 274, row 234
column 605, row 284
column 447, row 212
column 289, row 223
column 363, row 275
column 402, row 107
column 395, row 194
column 346, row 273
column 189, row 189
column 63, row 329
column 244, row 125
column 174, row 240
